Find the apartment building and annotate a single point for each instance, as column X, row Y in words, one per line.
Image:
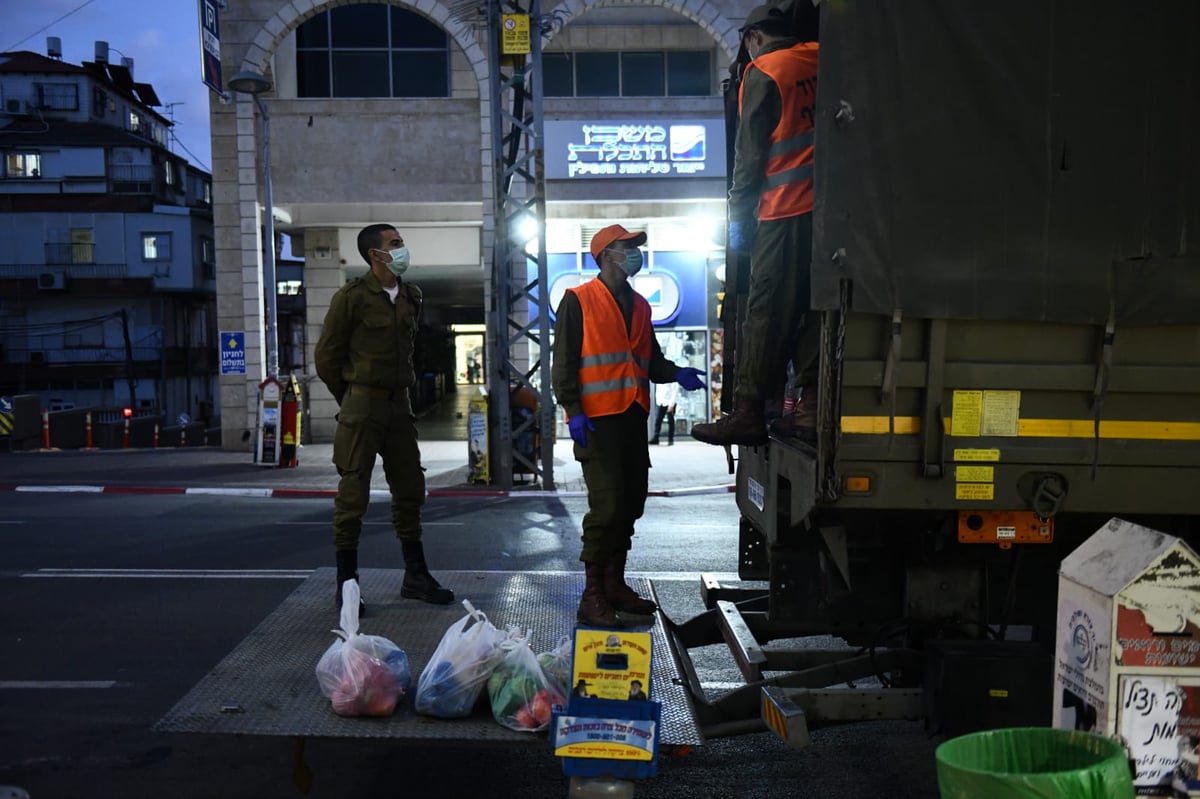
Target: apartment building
column 107, row 248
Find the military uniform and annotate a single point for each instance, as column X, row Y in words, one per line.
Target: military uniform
column 779, row 278
column 616, row 461
column 364, row 357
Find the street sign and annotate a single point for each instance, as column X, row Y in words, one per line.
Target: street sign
column 233, row 352
column 210, row 46
column 6, row 416
column 514, row 34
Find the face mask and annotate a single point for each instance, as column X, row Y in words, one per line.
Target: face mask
column 399, row 264
column 633, row 262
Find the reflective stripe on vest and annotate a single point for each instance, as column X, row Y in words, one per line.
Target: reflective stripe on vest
column 787, row 189
column 614, row 366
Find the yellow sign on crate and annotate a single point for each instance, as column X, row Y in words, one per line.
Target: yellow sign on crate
column 611, row 664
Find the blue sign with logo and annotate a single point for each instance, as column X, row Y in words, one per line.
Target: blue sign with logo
column 635, row 148
column 233, row 352
column 210, row 45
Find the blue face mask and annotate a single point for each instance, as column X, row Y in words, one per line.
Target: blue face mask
column 399, row 262
column 633, row 262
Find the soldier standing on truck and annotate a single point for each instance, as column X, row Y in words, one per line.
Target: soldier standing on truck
column 773, row 186
column 365, row 358
column 605, row 357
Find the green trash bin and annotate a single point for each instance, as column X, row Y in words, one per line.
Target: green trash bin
column 1033, row 763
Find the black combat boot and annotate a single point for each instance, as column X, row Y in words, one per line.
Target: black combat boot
column 801, row 423
column 347, row 569
column 594, row 607
column 746, row 425
column 619, row 594
column 418, row 582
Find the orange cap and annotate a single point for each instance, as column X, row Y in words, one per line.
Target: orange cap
column 605, row 237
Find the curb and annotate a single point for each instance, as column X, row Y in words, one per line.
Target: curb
column 329, row 493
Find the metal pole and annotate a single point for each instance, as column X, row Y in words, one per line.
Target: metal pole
column 272, row 333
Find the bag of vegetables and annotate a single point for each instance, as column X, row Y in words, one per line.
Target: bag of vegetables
column 362, row 675
column 452, row 681
column 521, row 694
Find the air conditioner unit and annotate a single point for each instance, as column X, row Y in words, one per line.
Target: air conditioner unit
column 14, row 106
column 52, row 281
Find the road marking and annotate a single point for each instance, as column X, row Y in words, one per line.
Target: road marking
column 177, row 574
column 22, row 685
column 231, row 492
column 62, row 489
column 10, row 521
column 365, row 523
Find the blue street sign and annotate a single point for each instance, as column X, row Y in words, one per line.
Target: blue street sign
column 6, row 405
column 210, row 45
column 233, row 352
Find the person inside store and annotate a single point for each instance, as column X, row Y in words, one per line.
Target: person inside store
column 770, row 217
column 365, row 358
column 664, row 401
column 605, row 357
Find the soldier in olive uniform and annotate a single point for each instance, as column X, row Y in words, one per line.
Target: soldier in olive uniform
column 364, row 357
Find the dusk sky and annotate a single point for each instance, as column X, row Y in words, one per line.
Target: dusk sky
column 161, row 36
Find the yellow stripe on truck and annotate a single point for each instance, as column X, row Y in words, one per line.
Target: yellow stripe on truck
column 1038, row 428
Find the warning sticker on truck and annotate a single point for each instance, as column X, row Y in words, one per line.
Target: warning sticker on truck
column 975, row 474
column 977, row 455
column 966, row 414
column 977, row 491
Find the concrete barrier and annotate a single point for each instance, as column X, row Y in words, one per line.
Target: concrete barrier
column 68, row 429
column 111, row 435
column 27, row 422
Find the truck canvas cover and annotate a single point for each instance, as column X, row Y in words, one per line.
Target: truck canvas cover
column 1034, row 160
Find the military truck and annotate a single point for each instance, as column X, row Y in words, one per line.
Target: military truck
column 1009, row 303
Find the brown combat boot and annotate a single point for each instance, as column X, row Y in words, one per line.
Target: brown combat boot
column 594, row 608
column 746, row 425
column 619, row 594
column 801, row 423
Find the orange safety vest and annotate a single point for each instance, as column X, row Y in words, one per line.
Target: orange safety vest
column 788, row 188
column 614, row 366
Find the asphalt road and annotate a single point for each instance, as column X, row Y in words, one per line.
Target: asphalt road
column 91, row 662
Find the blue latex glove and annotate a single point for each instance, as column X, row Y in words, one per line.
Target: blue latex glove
column 689, row 378
column 741, row 236
column 579, row 426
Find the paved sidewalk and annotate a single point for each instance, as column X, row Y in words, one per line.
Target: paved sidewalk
column 687, row 467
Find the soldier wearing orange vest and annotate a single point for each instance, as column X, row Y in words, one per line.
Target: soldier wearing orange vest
column 773, row 187
column 605, row 357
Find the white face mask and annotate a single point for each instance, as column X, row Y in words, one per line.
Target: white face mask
column 399, row 263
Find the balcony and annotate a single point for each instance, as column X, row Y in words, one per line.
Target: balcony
column 68, row 254
column 133, row 179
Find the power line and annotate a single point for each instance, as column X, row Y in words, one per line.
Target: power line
column 79, row 7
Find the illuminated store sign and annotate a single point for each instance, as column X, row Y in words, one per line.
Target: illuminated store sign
column 684, row 148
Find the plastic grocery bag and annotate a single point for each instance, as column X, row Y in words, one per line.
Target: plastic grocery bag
column 520, row 692
column 362, row 675
column 450, row 684
column 556, row 665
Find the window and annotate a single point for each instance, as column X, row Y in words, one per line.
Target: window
column 99, row 102
column 156, row 246
column 23, row 165
column 372, row 50
column 208, row 258
column 136, row 125
column 169, row 172
column 59, row 96
column 669, row 73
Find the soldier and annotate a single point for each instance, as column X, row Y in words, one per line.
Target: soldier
column 365, row 358
column 770, row 214
column 605, row 357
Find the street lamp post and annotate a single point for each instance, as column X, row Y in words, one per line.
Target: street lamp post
column 255, row 84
